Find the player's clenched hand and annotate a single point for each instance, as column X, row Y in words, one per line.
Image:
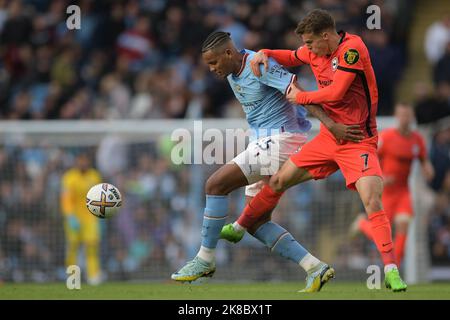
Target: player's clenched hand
column 349, row 133
column 291, row 93
column 259, row 58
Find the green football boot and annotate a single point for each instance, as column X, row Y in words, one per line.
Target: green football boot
column 228, row 233
column 318, row 277
column 194, row 269
column 393, row 281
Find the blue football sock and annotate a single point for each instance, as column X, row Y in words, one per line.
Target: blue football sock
column 214, row 218
column 279, row 240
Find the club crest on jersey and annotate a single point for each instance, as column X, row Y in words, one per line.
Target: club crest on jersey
column 238, row 90
column 334, row 63
column 351, row 56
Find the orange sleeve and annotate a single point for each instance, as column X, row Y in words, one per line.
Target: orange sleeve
column 302, row 54
column 334, row 92
column 289, row 58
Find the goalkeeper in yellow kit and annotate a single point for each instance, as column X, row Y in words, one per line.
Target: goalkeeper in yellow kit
column 80, row 226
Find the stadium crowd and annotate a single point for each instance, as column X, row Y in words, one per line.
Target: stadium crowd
column 140, row 59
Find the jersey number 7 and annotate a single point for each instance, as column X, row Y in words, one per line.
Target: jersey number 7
column 366, row 160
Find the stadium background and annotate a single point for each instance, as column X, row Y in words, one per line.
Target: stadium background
column 140, row 60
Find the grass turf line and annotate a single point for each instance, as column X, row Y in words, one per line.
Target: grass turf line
column 219, row 291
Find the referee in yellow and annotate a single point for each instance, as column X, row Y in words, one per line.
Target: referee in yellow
column 80, row 226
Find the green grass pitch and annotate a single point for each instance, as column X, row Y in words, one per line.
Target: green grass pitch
column 219, row 291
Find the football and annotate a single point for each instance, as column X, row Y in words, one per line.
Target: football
column 104, row 200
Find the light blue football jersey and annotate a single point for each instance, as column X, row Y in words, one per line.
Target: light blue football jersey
column 263, row 99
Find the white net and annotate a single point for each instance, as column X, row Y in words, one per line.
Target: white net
column 158, row 228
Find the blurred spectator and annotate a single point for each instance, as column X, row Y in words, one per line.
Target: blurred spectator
column 440, row 158
column 441, row 72
column 136, row 44
column 21, row 106
column 382, row 55
column 113, row 21
column 18, row 26
column 122, row 43
column 439, row 230
column 431, row 108
column 116, row 96
column 3, row 14
column 436, row 38
column 64, row 71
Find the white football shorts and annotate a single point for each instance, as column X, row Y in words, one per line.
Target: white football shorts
column 265, row 156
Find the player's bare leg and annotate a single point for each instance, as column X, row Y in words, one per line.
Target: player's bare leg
column 289, row 175
column 370, row 189
column 226, row 179
column 267, row 199
column 401, row 221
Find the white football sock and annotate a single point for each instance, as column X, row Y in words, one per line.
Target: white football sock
column 389, row 267
column 309, row 262
column 238, row 227
column 207, row 254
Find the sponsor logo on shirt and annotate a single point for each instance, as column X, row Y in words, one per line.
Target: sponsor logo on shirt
column 325, row 83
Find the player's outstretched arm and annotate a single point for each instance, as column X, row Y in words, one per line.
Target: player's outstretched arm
column 339, row 130
column 286, row 58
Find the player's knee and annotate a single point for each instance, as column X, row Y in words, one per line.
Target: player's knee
column 215, row 186
column 276, row 183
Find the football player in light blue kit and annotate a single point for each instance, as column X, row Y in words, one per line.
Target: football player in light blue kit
column 278, row 130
